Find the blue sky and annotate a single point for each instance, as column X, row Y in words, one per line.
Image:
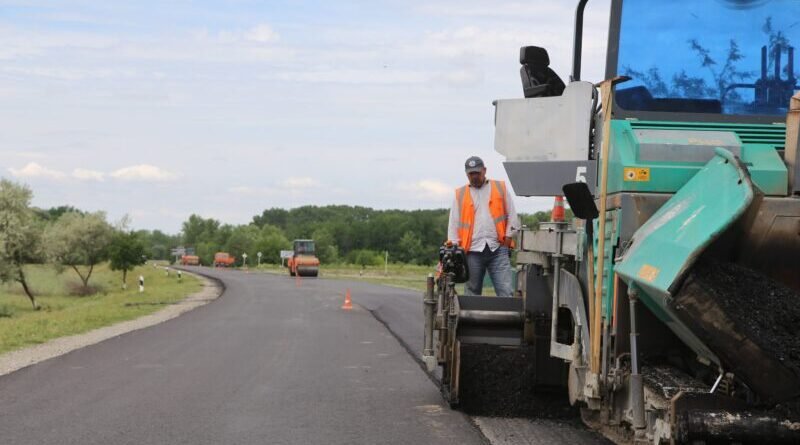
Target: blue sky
column 162, row 109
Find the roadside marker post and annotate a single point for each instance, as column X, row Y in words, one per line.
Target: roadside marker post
column 259, row 259
column 244, row 262
column 141, row 283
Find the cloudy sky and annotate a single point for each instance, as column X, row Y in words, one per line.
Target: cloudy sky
column 160, row 109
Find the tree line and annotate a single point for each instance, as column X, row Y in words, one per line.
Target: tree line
column 343, row 234
column 75, row 240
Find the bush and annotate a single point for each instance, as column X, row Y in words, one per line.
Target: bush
column 6, row 311
column 79, row 290
column 363, row 257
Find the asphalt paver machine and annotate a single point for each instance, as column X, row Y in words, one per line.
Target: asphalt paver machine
column 669, row 309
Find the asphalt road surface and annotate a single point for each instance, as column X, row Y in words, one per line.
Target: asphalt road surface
column 269, row 362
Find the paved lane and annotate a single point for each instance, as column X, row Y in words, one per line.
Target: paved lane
column 265, row 363
column 401, row 311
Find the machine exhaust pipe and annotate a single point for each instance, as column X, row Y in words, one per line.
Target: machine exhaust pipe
column 577, row 42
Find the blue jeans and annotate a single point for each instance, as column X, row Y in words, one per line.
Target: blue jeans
column 497, row 263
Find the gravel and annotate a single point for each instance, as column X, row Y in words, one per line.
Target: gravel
column 499, row 382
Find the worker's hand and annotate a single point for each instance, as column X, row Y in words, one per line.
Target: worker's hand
column 508, row 242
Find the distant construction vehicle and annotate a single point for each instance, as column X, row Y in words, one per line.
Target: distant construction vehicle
column 190, row 260
column 304, row 261
column 223, row 259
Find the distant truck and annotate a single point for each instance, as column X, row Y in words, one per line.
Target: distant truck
column 223, row 259
column 303, row 261
column 190, row 260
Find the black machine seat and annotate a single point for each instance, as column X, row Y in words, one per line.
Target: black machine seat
column 538, row 80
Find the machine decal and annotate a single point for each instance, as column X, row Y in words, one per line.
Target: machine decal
column 638, row 174
column 648, row 273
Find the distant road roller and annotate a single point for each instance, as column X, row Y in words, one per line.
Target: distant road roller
column 303, row 261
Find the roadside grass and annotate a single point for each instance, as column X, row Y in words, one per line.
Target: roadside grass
column 62, row 313
column 405, row 276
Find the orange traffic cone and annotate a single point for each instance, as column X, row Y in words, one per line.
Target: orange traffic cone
column 348, row 303
column 558, row 210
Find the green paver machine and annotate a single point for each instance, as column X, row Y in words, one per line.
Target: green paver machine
column 673, row 301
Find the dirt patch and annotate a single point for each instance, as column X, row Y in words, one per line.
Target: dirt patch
column 500, row 382
column 79, row 290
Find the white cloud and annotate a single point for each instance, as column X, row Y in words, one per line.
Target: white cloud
column 23, row 154
column 383, row 76
column 427, row 188
column 474, row 40
column 87, row 175
column 19, row 42
column 300, row 183
column 462, row 77
column 34, row 170
column 242, row 190
column 294, row 185
column 498, row 9
column 71, row 74
column 259, row 34
column 262, row 33
column 246, row 190
column 144, row 172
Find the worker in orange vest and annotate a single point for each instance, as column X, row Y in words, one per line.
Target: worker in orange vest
column 483, row 222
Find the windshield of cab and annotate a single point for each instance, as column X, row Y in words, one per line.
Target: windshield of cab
column 304, row 247
column 711, row 56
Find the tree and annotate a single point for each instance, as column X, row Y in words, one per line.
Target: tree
column 724, row 76
column 76, row 240
column 54, row 213
column 243, row 239
column 197, row 229
column 327, row 252
column 125, row 252
column 777, row 39
column 271, row 241
column 19, row 235
column 365, row 257
column 411, row 250
column 206, row 251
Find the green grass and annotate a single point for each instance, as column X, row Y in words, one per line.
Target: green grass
column 63, row 313
column 405, row 276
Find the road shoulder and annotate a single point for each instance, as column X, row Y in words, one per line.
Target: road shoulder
column 21, row 358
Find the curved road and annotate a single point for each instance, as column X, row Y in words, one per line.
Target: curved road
column 268, row 362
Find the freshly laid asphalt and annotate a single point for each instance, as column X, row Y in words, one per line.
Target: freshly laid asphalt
column 273, row 361
column 266, row 363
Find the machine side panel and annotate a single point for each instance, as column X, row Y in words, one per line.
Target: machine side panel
column 698, row 213
column 545, row 178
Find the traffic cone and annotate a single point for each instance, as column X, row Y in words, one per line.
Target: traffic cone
column 348, row 303
column 558, row 210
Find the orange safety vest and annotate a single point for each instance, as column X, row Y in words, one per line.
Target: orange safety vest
column 497, row 209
